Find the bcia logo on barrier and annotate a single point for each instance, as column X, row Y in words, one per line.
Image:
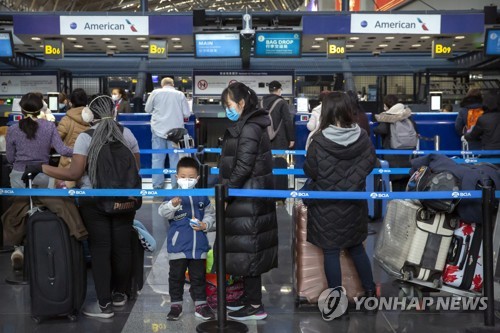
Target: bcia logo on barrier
column 73, row 192
column 6, row 192
column 461, row 195
column 168, row 171
column 374, row 195
column 178, row 151
column 295, row 194
column 384, row 171
column 150, row 192
column 332, row 303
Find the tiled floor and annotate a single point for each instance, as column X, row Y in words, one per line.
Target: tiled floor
column 148, row 312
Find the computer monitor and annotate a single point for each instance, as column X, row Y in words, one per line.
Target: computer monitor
column 492, row 42
column 6, row 45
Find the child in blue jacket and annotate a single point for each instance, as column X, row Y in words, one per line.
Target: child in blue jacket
column 187, row 243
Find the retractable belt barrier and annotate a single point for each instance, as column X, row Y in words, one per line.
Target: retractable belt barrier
column 241, row 193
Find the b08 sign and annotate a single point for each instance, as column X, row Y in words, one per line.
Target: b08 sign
column 336, row 48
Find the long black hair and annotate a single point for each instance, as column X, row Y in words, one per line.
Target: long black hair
column 336, row 108
column 31, row 105
column 237, row 92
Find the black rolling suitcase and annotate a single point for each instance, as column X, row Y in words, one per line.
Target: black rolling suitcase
column 57, row 271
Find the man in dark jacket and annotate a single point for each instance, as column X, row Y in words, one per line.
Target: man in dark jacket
column 487, row 131
column 282, row 119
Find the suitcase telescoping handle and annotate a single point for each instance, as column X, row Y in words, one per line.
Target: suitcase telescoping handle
column 454, row 251
column 52, row 271
column 466, row 253
column 30, row 186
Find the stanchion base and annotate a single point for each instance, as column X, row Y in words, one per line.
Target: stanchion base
column 6, row 249
column 17, row 278
column 213, row 327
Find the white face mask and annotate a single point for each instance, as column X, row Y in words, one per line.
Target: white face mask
column 187, row 183
column 115, row 98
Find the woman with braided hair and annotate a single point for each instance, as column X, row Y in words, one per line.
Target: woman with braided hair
column 109, row 233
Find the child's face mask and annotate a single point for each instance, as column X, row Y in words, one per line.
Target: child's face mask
column 187, row 183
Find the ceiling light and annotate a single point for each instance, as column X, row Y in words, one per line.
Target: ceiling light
column 349, row 45
column 71, row 38
column 319, row 39
column 144, row 46
column 315, row 46
column 416, row 45
column 105, row 39
column 382, row 45
column 175, row 39
column 425, row 37
column 353, row 38
column 459, row 37
column 453, row 44
column 178, row 46
column 35, row 38
column 41, row 45
column 111, row 46
column 389, row 37
column 78, row 46
column 141, row 38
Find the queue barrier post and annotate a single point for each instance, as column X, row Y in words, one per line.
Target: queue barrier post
column 221, row 324
column 200, row 154
column 488, row 203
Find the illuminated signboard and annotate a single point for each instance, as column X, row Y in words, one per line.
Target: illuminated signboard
column 285, row 44
column 53, row 49
column 492, row 42
column 6, row 46
column 157, row 49
column 217, row 45
column 442, row 48
column 336, row 48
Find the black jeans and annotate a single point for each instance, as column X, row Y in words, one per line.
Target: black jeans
column 363, row 266
column 109, row 242
column 253, row 289
column 177, row 277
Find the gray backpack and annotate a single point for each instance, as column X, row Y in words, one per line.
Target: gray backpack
column 403, row 135
column 270, row 129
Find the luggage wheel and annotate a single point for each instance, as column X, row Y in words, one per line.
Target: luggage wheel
column 72, row 317
column 409, row 292
column 437, row 283
column 37, row 320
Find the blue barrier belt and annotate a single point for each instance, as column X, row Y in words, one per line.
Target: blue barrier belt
column 157, row 172
column 104, row 192
column 168, row 151
column 245, row 193
column 354, row 195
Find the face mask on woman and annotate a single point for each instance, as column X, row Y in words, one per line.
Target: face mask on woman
column 186, row 183
column 232, row 114
column 115, row 97
column 62, row 105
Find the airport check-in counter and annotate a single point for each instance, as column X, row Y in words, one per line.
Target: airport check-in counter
column 139, row 124
column 429, row 124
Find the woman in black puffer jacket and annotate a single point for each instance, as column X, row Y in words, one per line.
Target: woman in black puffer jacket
column 251, row 224
column 339, row 158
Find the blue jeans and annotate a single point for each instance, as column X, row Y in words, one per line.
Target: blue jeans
column 363, row 266
column 158, row 161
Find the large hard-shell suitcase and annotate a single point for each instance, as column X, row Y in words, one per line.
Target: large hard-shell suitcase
column 395, row 237
column 464, row 265
column 430, row 245
column 378, row 183
column 309, row 273
column 57, row 271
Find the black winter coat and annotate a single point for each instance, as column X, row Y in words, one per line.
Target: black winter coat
column 487, row 131
column 282, row 113
column 333, row 167
column 251, row 224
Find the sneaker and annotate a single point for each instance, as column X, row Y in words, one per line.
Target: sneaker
column 119, row 299
column 236, row 305
column 175, row 312
column 17, row 258
column 95, row 310
column 248, row 312
column 204, row 312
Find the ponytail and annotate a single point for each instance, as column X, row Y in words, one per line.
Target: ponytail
column 29, row 126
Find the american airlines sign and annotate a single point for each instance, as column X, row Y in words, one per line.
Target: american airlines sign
column 104, row 25
column 412, row 24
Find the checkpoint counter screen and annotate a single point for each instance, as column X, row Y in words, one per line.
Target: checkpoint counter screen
column 217, row 45
column 6, row 47
column 286, row 44
column 492, row 42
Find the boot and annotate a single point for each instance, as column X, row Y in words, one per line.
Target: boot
column 369, row 302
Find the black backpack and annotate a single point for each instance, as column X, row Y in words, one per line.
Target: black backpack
column 117, row 169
